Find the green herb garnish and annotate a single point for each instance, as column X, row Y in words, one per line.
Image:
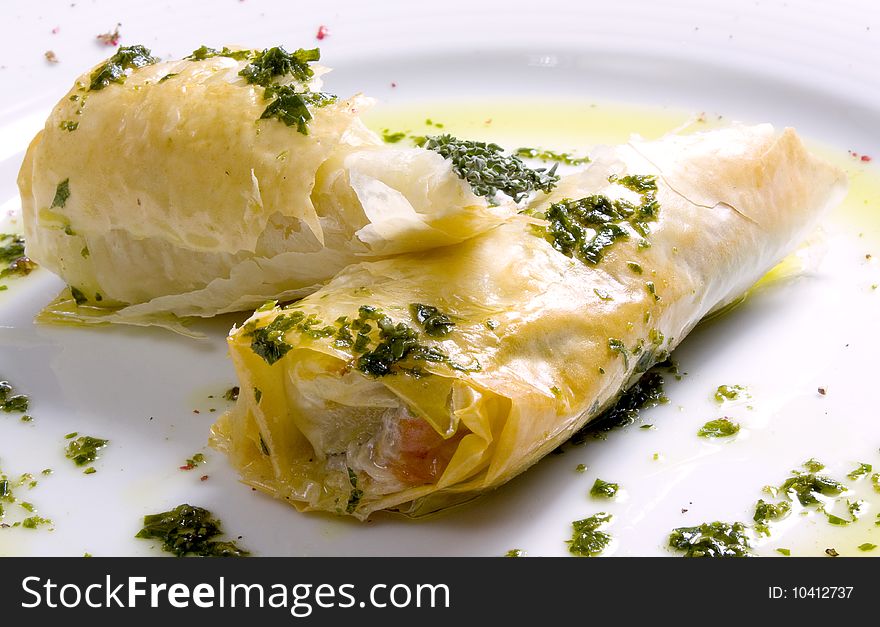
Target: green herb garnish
column 62, row 193
column 807, row 485
column 432, row 320
column 647, row 392
column 204, row 52
column 188, row 530
column 862, row 470
column 515, row 553
column 604, row 489
column 550, row 155
column 728, row 393
column 585, row 228
column 292, row 107
column 276, row 62
column 84, row 449
column 717, row 539
column 719, row 428
column 113, row 70
column 588, row 540
column 488, row 170
column 355, row 495
column 766, row 512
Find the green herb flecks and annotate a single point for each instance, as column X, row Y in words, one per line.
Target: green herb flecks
column 867, row 546
column 204, row 52
column 785, row 552
column 604, row 489
column 767, row 512
column 10, row 402
column 392, row 138
column 719, row 428
column 717, row 539
column 550, row 155
column 647, row 392
column 854, row 507
column 276, row 62
column 586, row 228
column 728, row 393
column 167, row 77
column 13, row 261
column 862, row 470
column 588, row 540
column 189, row 530
column 292, row 107
column 84, row 449
column 68, row 125
column 806, row 486
column 515, row 553
column 34, row 522
column 355, row 495
column 62, row 193
column 432, row 320
column 194, row 461
column 813, row 465
column 396, row 343
column 231, row 394
column 113, row 70
column 78, row 297
column 488, row 170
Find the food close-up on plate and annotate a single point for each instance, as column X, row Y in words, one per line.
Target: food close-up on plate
column 472, row 280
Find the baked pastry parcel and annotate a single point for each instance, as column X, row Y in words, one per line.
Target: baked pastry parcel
column 417, row 382
column 210, row 184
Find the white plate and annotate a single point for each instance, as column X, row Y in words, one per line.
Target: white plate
column 545, row 76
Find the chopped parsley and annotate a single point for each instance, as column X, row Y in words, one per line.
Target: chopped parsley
column 805, row 487
column 78, row 297
column 719, row 428
column 376, row 354
column 354, row 497
column 432, row 320
column 195, row 460
column 515, row 553
column 488, row 170
column 585, row 228
column 645, row 393
column 717, row 539
column 204, row 52
column 292, row 107
column 588, row 540
column 550, row 155
column 604, row 489
column 113, row 70
column 188, row 530
column 862, row 470
column 62, row 193
column 813, row 465
column 867, row 546
column 231, row 394
column 767, row 512
column 392, row 138
column 728, row 393
column 272, row 63
column 68, row 125
column 10, row 401
column 84, row 449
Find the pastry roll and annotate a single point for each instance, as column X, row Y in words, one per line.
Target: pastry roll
column 212, row 183
column 417, row 382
